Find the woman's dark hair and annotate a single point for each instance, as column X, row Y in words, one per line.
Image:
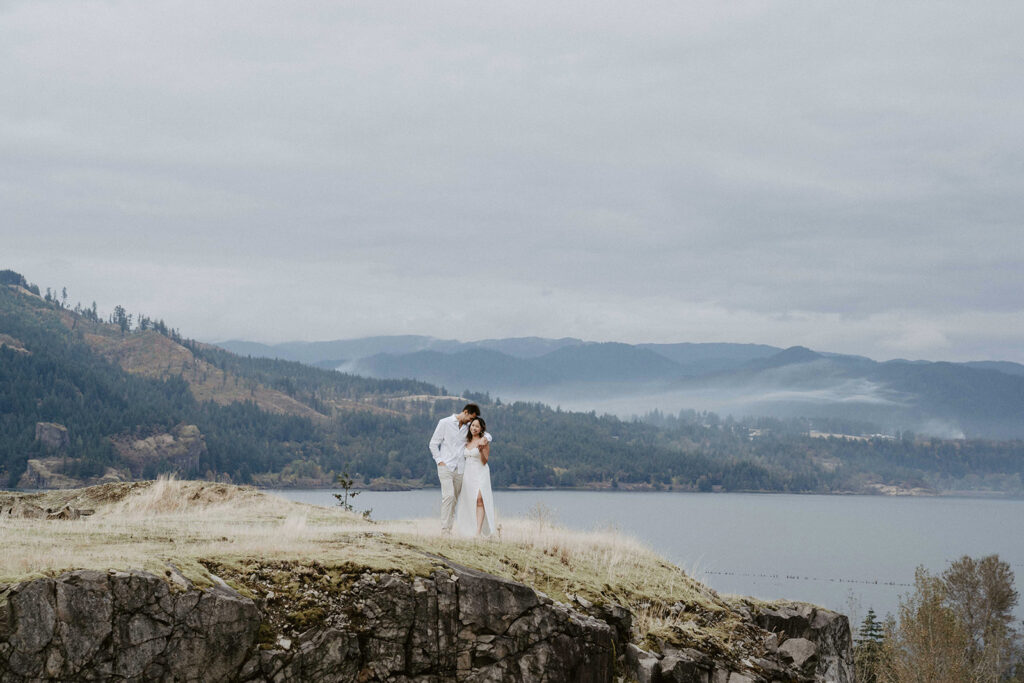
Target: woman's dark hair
column 469, row 431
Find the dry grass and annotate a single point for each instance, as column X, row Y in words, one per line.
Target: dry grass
column 600, row 566
column 13, row 344
column 193, row 525
column 148, row 525
column 150, row 354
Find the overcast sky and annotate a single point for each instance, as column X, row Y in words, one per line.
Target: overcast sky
column 845, row 176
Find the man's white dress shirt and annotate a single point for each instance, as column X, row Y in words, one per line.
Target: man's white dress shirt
column 448, row 445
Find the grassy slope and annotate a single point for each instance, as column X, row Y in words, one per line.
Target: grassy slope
column 153, row 355
column 263, row 544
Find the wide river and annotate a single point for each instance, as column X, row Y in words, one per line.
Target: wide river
column 847, row 553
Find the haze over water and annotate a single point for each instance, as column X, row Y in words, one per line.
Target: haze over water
column 847, row 553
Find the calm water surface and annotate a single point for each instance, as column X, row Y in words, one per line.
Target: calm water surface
column 847, row 553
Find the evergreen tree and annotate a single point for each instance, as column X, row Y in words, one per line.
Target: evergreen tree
column 121, row 318
column 867, row 648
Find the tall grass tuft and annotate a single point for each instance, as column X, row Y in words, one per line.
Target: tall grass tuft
column 165, row 496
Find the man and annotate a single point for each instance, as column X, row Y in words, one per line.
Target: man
column 448, row 446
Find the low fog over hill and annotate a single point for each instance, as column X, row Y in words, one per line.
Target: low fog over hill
column 981, row 399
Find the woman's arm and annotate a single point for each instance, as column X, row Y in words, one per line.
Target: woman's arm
column 485, row 451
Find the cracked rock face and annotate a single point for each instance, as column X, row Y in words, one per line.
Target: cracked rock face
column 817, row 641
column 126, row 625
column 456, row 625
column 463, row 624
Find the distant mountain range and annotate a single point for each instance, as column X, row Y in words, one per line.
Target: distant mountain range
column 976, row 399
column 694, row 359
column 349, row 349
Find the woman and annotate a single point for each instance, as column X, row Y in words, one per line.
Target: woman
column 474, row 511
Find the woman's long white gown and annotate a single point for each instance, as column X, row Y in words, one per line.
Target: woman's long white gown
column 475, row 480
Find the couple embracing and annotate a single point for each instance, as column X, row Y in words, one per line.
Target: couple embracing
column 461, row 447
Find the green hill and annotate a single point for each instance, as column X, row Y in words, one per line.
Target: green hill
column 85, row 400
column 135, row 403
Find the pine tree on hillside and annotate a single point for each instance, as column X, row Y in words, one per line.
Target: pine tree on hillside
column 121, row 318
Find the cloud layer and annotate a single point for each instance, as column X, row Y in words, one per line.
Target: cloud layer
column 846, row 177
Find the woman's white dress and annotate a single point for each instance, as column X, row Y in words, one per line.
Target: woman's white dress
column 475, row 480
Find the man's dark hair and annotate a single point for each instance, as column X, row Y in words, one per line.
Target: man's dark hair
column 471, row 408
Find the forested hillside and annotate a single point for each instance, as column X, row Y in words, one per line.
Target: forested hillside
column 86, row 399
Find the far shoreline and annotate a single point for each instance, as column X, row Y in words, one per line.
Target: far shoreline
column 400, row 487
column 607, row 489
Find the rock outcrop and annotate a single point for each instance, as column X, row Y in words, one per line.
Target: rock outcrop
column 19, row 509
column 47, row 473
column 52, row 435
column 817, row 640
column 13, row 344
column 90, row 625
column 180, row 449
column 456, row 624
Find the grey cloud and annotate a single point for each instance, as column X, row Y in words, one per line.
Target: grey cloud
column 793, row 173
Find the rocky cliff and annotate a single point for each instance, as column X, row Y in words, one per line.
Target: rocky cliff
column 455, row 624
column 179, row 449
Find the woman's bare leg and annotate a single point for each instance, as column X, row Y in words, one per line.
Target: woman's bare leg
column 479, row 512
